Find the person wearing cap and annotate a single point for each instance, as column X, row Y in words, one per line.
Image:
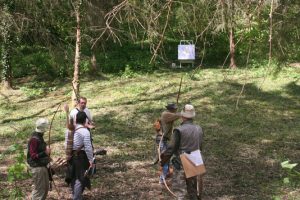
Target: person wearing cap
column 168, row 117
column 186, row 138
column 38, row 159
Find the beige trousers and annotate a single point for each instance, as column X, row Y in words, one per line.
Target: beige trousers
column 40, row 179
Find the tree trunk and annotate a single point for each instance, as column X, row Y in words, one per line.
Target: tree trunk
column 270, row 32
column 6, row 65
column 232, row 49
column 231, row 37
column 94, row 63
column 6, row 27
column 75, row 81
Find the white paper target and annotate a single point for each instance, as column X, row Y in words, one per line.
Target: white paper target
column 186, row 52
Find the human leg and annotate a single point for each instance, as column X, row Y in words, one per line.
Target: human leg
column 191, row 185
column 179, row 184
column 165, row 169
column 77, row 190
column 40, row 179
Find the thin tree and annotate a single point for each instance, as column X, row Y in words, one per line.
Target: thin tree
column 231, row 35
column 6, row 28
column 76, row 82
column 270, row 32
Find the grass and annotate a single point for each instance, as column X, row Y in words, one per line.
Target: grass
column 244, row 142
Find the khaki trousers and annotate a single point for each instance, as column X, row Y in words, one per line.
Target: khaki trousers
column 186, row 188
column 40, row 179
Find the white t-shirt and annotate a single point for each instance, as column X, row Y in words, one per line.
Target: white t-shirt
column 74, row 112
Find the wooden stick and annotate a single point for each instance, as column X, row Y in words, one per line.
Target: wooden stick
column 178, row 94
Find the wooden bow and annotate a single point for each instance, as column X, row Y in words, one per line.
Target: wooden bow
column 49, row 142
column 178, row 94
column 49, row 134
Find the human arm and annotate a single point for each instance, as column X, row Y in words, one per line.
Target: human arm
column 170, row 117
column 69, row 118
column 201, row 139
column 90, row 123
column 88, row 145
column 33, row 150
column 172, row 148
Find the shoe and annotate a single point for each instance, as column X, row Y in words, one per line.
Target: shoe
column 161, row 181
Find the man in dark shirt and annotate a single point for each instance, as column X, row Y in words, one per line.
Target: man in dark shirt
column 38, row 159
column 186, row 138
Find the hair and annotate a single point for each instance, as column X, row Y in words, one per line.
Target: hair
column 81, row 117
column 83, row 98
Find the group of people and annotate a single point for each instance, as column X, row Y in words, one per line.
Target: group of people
column 185, row 138
column 79, row 152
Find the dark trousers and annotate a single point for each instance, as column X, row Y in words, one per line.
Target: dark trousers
column 79, row 164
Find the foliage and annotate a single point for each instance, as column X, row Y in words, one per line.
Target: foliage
column 129, row 56
column 44, row 32
column 242, row 146
column 17, row 171
column 293, row 176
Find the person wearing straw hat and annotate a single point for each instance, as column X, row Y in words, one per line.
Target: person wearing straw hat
column 38, row 159
column 168, row 117
column 186, row 138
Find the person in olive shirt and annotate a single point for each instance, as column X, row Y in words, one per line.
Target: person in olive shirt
column 38, row 159
column 186, row 138
column 168, row 117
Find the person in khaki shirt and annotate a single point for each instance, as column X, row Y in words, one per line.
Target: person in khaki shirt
column 168, row 117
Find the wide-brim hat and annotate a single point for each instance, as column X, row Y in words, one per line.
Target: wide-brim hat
column 188, row 111
column 171, row 106
column 41, row 125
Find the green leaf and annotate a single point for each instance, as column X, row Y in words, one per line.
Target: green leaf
column 12, row 148
column 287, row 165
column 286, row 180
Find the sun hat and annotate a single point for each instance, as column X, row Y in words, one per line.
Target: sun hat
column 41, row 125
column 188, row 111
column 171, row 106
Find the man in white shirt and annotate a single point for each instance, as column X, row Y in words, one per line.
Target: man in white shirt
column 81, row 106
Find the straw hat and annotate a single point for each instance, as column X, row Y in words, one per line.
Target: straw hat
column 41, row 125
column 188, row 111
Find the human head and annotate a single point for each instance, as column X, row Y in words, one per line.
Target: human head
column 171, row 107
column 188, row 111
column 81, row 117
column 41, row 125
column 82, row 103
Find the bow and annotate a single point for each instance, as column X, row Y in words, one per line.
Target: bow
column 178, row 94
column 49, row 134
column 159, row 145
column 49, row 142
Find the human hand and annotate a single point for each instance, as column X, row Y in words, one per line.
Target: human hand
column 92, row 164
column 66, row 108
column 48, row 150
column 160, row 169
column 90, row 126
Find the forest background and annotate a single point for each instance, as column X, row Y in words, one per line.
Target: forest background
column 254, row 44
